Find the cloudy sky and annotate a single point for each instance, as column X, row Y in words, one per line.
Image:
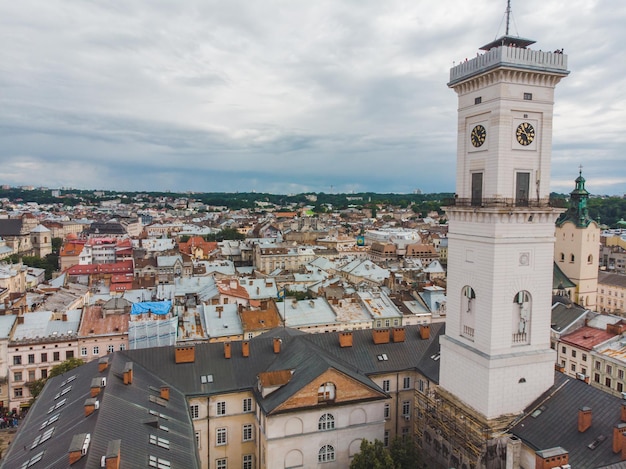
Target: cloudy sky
column 285, row 96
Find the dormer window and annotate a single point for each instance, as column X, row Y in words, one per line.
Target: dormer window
column 326, row 392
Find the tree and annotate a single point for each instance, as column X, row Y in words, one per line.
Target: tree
column 372, row 456
column 65, row 366
column 404, row 453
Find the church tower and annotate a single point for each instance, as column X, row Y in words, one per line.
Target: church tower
column 495, row 355
column 577, row 246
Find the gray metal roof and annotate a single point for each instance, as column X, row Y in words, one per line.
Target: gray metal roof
column 557, row 423
column 123, row 414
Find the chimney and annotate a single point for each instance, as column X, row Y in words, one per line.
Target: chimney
column 91, row 405
column 111, row 459
column 277, row 343
column 128, row 373
column 584, row 419
column 219, row 310
column 398, row 334
column 185, row 354
column 103, row 364
column 380, row 336
column 345, row 339
column 20, row 319
column 79, row 446
column 226, row 349
column 425, row 331
column 550, row 458
column 618, row 437
column 64, row 317
column 165, row 393
column 96, row 386
column 245, row 348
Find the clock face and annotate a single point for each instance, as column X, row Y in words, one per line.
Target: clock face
column 478, row 136
column 525, row 134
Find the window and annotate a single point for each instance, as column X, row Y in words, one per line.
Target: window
column 607, row 382
column 386, row 439
column 247, row 461
column 584, row 357
column 562, row 257
column 220, row 435
column 44, row 357
column 406, row 382
column 572, row 258
column 573, row 366
column 326, row 392
column 31, row 375
column 421, row 386
column 96, row 350
column 574, row 353
column 198, row 439
column 596, row 377
column 620, row 386
column 528, row 96
column 609, row 370
column 326, row 422
column 478, row 100
column 194, row 410
column 83, row 351
column 17, row 376
column 122, row 346
column 160, row 442
column 406, row 408
column 69, row 354
column 247, row 432
column 563, row 350
column 221, row 408
column 17, row 359
column 31, row 358
column 221, row 463
column 386, row 385
column 56, row 356
column 326, row 454
column 111, row 349
column 620, row 374
column 159, row 463
column 598, row 366
column 247, row 404
column 17, row 392
column 387, row 411
column 44, row 373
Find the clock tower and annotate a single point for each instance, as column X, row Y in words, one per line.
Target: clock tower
column 496, row 356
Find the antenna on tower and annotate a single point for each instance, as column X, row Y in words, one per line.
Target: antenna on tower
column 508, row 15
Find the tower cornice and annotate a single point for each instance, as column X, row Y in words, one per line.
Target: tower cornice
column 550, row 65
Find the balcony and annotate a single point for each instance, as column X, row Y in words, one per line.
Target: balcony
column 503, row 202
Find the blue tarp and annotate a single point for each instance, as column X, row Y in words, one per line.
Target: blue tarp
column 154, row 307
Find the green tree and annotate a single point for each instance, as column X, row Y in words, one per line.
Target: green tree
column 372, row 456
column 404, row 453
column 65, row 366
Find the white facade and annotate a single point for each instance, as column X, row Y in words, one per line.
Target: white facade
column 496, row 354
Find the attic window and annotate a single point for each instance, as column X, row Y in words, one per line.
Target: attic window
column 56, row 406
column 158, row 400
column 204, row 379
column 52, row 419
column 383, row 357
column 537, row 412
column 595, row 443
column 68, row 380
column 435, row 356
column 157, row 414
column 160, row 442
column 35, row 459
column 159, row 463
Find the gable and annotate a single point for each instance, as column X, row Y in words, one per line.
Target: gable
column 346, row 390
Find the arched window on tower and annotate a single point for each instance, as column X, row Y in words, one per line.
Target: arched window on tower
column 590, row 259
column 562, row 257
column 572, row 258
column 521, row 316
column 468, row 319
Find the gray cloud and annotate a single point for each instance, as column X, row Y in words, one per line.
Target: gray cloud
column 284, row 96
